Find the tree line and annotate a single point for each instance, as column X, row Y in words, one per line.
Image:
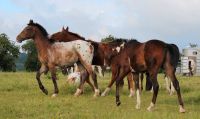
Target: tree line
column 10, row 52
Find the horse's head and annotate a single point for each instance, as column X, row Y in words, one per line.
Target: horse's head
column 61, row 35
column 30, row 31
column 65, row 35
column 111, row 49
column 27, row 33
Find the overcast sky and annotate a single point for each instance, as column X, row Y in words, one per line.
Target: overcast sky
column 173, row 21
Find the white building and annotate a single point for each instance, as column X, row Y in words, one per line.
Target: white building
column 192, row 55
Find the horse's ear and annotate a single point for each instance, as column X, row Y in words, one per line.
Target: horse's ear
column 31, row 21
column 63, row 28
column 67, row 29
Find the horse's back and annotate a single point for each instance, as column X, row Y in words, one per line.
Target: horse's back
column 155, row 52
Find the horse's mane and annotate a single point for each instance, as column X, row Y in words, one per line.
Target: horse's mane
column 132, row 41
column 77, row 35
column 119, row 40
column 116, row 41
column 42, row 29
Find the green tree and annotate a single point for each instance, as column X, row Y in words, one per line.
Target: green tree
column 8, row 53
column 32, row 63
column 108, row 39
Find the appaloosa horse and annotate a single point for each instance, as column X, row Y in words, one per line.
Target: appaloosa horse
column 102, row 52
column 148, row 57
column 59, row 54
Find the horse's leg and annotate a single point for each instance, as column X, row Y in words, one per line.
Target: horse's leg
column 43, row 69
column 172, row 89
column 171, row 74
column 94, row 78
column 100, row 71
column 137, row 86
column 88, row 67
column 148, row 82
column 167, row 83
column 107, row 90
column 54, row 78
column 153, row 77
column 123, row 72
column 131, row 84
column 79, row 90
column 141, row 79
column 87, row 79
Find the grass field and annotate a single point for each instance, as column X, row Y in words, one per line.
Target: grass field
column 20, row 97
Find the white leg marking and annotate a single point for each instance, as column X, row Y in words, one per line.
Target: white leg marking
column 78, row 92
column 106, row 91
column 100, row 71
column 54, row 95
column 172, row 89
column 167, row 84
column 132, row 93
column 138, row 99
column 96, row 92
column 151, row 106
column 181, row 109
column 151, row 90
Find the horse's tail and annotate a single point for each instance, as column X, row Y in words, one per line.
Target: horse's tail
column 174, row 54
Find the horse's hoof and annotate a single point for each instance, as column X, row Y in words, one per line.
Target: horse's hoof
column 97, row 93
column 45, row 91
column 103, row 94
column 78, row 92
column 131, row 95
column 151, row 107
column 182, row 110
column 118, row 103
column 137, row 106
column 76, row 95
column 54, row 95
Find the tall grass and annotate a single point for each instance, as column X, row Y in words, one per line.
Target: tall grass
column 20, row 97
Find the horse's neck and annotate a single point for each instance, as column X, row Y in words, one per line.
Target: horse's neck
column 42, row 44
column 72, row 38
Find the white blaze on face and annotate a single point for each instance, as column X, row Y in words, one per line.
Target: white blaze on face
column 122, row 45
column 118, row 49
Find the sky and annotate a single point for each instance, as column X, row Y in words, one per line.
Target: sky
column 172, row 21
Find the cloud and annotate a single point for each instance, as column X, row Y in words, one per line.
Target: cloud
column 174, row 21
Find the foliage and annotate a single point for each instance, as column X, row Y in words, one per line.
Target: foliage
column 32, row 63
column 21, row 61
column 21, row 98
column 108, row 39
column 8, row 54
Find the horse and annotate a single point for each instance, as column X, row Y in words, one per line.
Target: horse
column 169, row 86
column 149, row 57
column 102, row 52
column 52, row 55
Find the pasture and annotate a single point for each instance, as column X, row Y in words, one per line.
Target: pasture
column 22, row 98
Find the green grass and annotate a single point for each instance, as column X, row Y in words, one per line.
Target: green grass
column 20, row 97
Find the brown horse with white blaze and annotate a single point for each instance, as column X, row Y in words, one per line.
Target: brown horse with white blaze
column 58, row 54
